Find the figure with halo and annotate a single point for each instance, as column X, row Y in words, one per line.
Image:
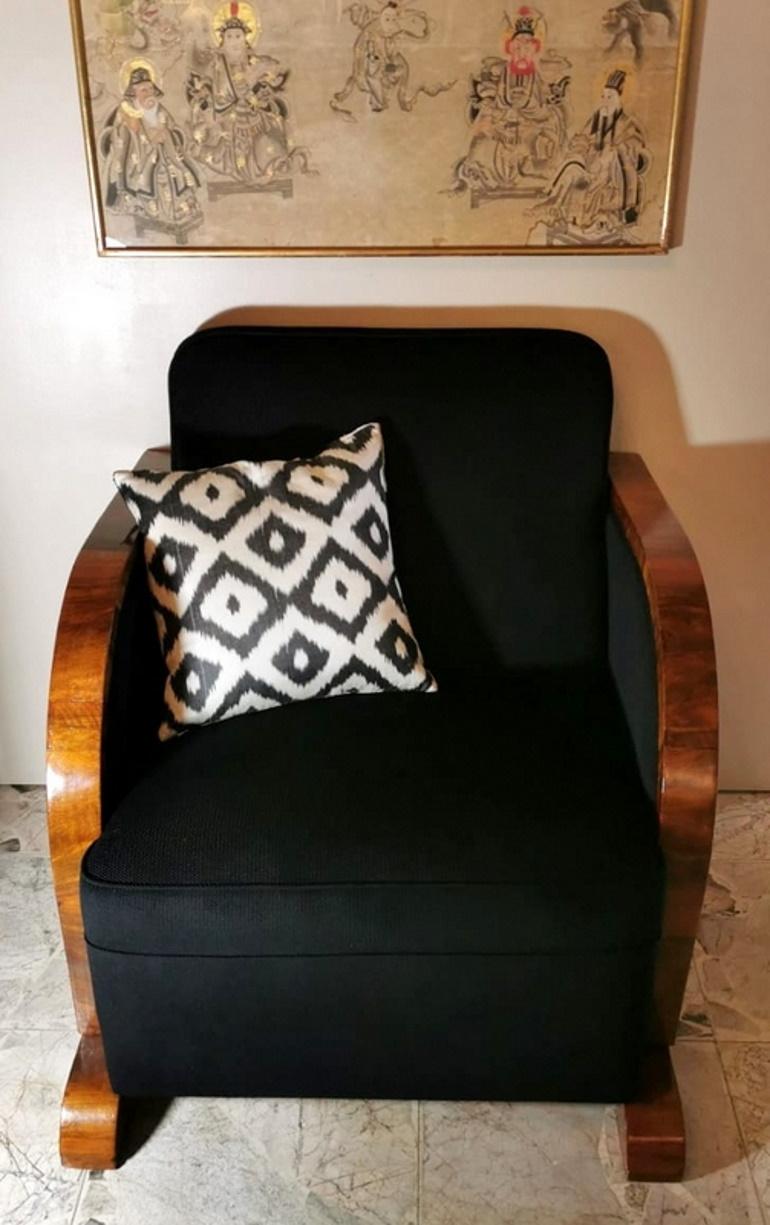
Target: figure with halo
column 239, row 111
column 148, row 173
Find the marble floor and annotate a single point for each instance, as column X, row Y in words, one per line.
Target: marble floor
column 286, row 1162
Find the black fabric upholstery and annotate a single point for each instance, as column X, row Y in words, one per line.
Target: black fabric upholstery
column 134, row 698
column 632, row 656
column 496, row 454
column 441, row 896
column 509, row 819
column 546, row 1028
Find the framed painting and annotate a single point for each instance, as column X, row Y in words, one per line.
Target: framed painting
column 387, row 127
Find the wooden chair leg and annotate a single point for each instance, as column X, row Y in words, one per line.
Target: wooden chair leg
column 89, row 1113
column 654, row 1126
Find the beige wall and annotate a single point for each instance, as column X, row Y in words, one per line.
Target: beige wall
column 85, row 344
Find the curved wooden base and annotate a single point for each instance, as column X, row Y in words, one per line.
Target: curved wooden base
column 89, row 1113
column 654, row 1125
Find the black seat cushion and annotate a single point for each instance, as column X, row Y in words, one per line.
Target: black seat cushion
column 502, row 818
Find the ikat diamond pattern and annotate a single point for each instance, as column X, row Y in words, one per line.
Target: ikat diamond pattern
column 273, row 582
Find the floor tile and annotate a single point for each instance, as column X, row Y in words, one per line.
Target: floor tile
column 509, row 1164
column 249, row 1162
column 34, row 1189
column 695, row 1022
column 209, row 1160
column 490, row 1163
column 747, row 1068
column 742, row 829
column 717, row 1187
column 34, row 988
column 733, row 949
column 362, row 1156
column 23, row 827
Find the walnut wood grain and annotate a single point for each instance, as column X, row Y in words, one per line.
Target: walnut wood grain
column 687, row 718
column 652, row 1126
column 88, row 1136
column 79, row 680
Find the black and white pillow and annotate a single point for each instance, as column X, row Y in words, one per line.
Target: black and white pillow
column 273, row 582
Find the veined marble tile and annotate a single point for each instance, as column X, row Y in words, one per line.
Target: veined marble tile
column 742, row 829
column 361, row 1156
column 495, row 1163
column 34, row 1189
column 695, row 1022
column 34, row 988
column 262, row 1161
column 733, row 950
column 747, row 1068
column 508, row 1164
column 23, row 821
column 717, row 1188
column 209, row 1160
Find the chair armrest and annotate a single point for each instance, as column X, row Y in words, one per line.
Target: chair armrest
column 80, row 678
column 687, row 713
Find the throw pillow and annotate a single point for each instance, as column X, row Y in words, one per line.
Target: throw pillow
column 273, row 582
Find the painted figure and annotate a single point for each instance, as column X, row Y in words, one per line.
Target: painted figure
column 598, row 192
column 380, row 68
column 239, row 110
column 518, row 118
column 148, row 174
column 626, row 22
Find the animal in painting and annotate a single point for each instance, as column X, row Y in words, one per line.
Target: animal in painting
column 627, row 22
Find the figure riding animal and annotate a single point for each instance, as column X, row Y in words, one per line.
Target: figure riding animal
column 627, row 21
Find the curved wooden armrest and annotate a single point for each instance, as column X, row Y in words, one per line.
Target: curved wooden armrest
column 687, row 714
column 79, row 679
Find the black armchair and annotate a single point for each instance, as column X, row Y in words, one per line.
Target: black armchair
column 487, row 893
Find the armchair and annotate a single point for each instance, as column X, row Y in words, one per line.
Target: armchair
column 491, row 892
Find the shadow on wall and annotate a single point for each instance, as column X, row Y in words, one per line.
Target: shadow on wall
column 720, row 493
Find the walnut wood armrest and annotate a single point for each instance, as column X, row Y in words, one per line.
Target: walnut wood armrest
column 687, row 717
column 79, row 681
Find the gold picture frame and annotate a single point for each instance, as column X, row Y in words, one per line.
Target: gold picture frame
column 391, row 127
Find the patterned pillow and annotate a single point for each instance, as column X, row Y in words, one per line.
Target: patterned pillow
column 274, row 581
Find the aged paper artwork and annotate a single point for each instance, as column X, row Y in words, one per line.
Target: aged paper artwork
column 393, row 125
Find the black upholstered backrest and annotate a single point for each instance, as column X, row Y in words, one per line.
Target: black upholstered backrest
column 496, row 461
